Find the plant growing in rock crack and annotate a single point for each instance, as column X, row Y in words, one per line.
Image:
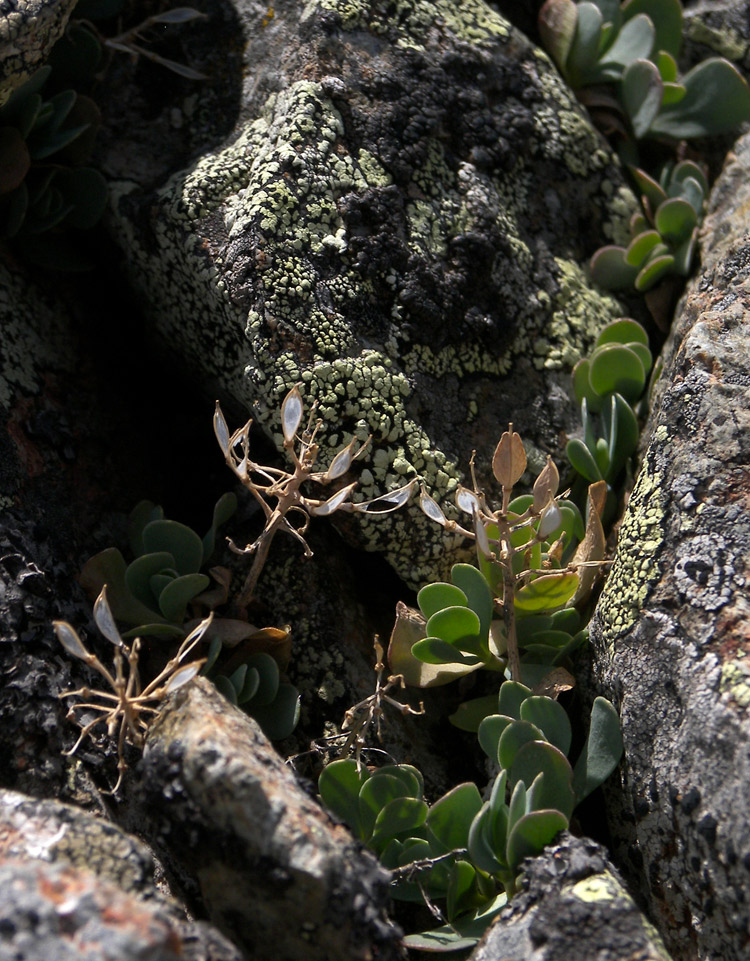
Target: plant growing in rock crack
column 664, row 236
column 45, row 183
column 515, row 613
column 156, row 591
column 278, row 491
column 608, row 385
column 462, row 849
column 125, row 707
column 634, row 46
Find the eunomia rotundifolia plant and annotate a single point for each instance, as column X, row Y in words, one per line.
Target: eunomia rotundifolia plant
column 278, row 491
column 162, row 588
column 515, row 613
column 126, row 706
column 663, row 236
column 634, row 46
column 462, row 849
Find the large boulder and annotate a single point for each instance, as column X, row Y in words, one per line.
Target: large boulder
column 671, row 630
column 399, row 221
column 28, row 31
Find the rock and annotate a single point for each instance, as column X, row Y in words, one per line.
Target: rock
column 77, row 887
column 28, row 31
column 572, row 902
column 400, row 221
column 671, row 631
column 272, row 870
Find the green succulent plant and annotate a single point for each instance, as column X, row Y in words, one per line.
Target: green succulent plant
column 461, row 848
column 635, row 45
column 153, row 591
column 252, row 678
column 607, row 385
column 513, row 613
column 664, row 235
column 45, row 141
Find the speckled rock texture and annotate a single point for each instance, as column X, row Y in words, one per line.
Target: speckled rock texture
column 75, row 886
column 672, row 631
column 400, row 220
column 572, row 903
column 272, row 870
column 28, row 31
column 717, row 28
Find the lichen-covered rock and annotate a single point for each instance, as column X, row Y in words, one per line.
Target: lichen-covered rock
column 75, row 886
column 717, row 28
column 572, row 904
column 671, row 633
column 272, row 870
column 400, row 221
column 28, row 31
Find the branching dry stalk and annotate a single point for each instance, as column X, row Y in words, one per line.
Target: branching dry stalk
column 269, row 484
column 359, row 718
column 128, row 710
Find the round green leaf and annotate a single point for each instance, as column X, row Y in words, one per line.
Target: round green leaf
column 438, row 596
column 139, row 573
column 176, row 595
column 453, row 624
column 399, row 816
column 269, row 683
column 547, row 592
column 515, row 735
column 717, row 99
column 279, row 719
column 378, row 791
column 666, row 17
column 641, row 91
column 182, row 542
column 540, row 757
column 616, row 368
column 551, row 718
column 675, row 220
column 339, row 785
column 450, row 817
column 641, row 246
column 409, row 776
column 609, row 269
column 512, row 695
column 477, row 592
column 652, row 273
column 532, row 833
column 623, row 331
column 469, row 715
column 434, row 650
column 602, row 752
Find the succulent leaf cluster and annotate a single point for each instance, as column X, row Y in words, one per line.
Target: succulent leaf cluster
column 461, row 848
column 608, row 385
column 634, row 45
column 45, row 143
column 154, row 590
column 536, row 561
column 664, row 234
column 252, row 678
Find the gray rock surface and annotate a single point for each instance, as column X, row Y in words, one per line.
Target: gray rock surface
column 272, row 870
column 77, row 887
column 399, row 221
column 28, row 31
column 671, row 630
column 572, row 902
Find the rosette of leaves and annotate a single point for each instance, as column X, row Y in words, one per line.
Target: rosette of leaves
column 459, row 848
column 154, row 590
column 635, row 46
column 45, row 183
column 251, row 676
column 664, row 235
column 607, row 385
column 426, row 847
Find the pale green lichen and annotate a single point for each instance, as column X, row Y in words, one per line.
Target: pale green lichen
column 724, row 41
column 471, row 20
column 636, row 567
column 282, row 182
column 735, row 681
column 598, row 887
